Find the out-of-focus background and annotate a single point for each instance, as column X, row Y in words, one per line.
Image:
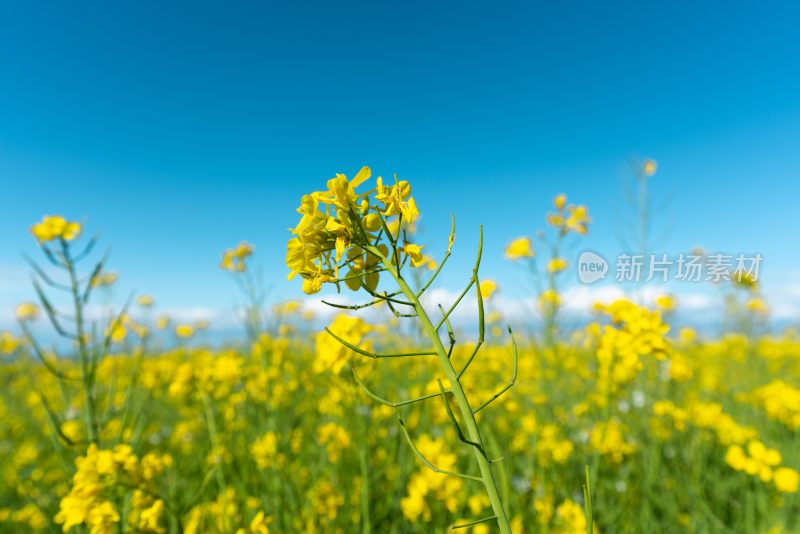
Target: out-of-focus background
column 178, row 130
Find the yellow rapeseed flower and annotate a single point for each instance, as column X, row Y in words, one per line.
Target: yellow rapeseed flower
column 556, row 265
column 162, row 322
column 548, row 298
column 8, row 343
column 117, row 331
column 341, row 224
column 666, row 302
column 184, row 331
column 786, row 480
column 757, row 305
column 519, row 248
column 54, row 227
column 145, row 301
column 105, row 279
column 234, row 259
column 27, row 311
column 488, row 288
column 649, row 167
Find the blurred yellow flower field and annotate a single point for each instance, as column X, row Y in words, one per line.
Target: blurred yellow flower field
column 392, row 421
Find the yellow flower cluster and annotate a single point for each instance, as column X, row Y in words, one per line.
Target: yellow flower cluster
column 445, row 489
column 234, row 259
column 54, row 227
column 29, row 515
column 569, row 218
column 549, row 299
column 556, row 265
column 744, row 280
column 552, row 447
column 667, row 416
column 325, row 500
column 214, row 374
column 332, row 356
column 705, row 415
column 90, row 499
column 27, row 311
column 649, row 167
column 763, row 462
column 264, row 450
column 570, row 518
column 104, row 279
column 339, row 224
column 666, row 302
column 710, row 416
column 287, row 308
column 780, row 401
column 418, row 259
column 487, row 288
column 8, row 343
column 184, row 330
column 118, row 330
column 608, row 439
column 334, row 438
column 635, row 332
column 519, row 248
column 145, row 301
column 223, row 516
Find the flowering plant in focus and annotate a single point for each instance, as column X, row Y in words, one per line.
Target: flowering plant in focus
column 349, row 236
column 339, row 225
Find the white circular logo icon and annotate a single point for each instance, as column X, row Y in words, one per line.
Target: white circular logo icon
column 591, row 267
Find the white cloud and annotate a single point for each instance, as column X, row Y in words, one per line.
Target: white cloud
column 784, row 301
column 200, row 313
column 577, row 300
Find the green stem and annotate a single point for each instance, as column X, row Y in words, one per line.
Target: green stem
column 366, row 521
column 461, row 400
column 87, row 371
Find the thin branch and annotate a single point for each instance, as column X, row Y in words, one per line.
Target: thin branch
column 510, row 382
column 473, row 523
column 444, row 258
column 95, row 273
column 86, row 251
column 427, row 463
column 50, row 255
column 49, row 281
column 385, row 296
column 587, row 503
column 450, row 334
column 351, row 307
column 472, row 281
column 54, row 420
column 52, row 314
column 398, row 314
column 40, row 354
column 386, row 402
column 107, row 340
column 481, row 331
column 375, row 355
column 455, row 424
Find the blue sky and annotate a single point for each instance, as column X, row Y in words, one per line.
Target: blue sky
column 178, row 129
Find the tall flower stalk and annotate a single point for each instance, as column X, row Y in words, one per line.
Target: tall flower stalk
column 566, row 220
column 234, row 260
column 354, row 238
column 56, row 237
